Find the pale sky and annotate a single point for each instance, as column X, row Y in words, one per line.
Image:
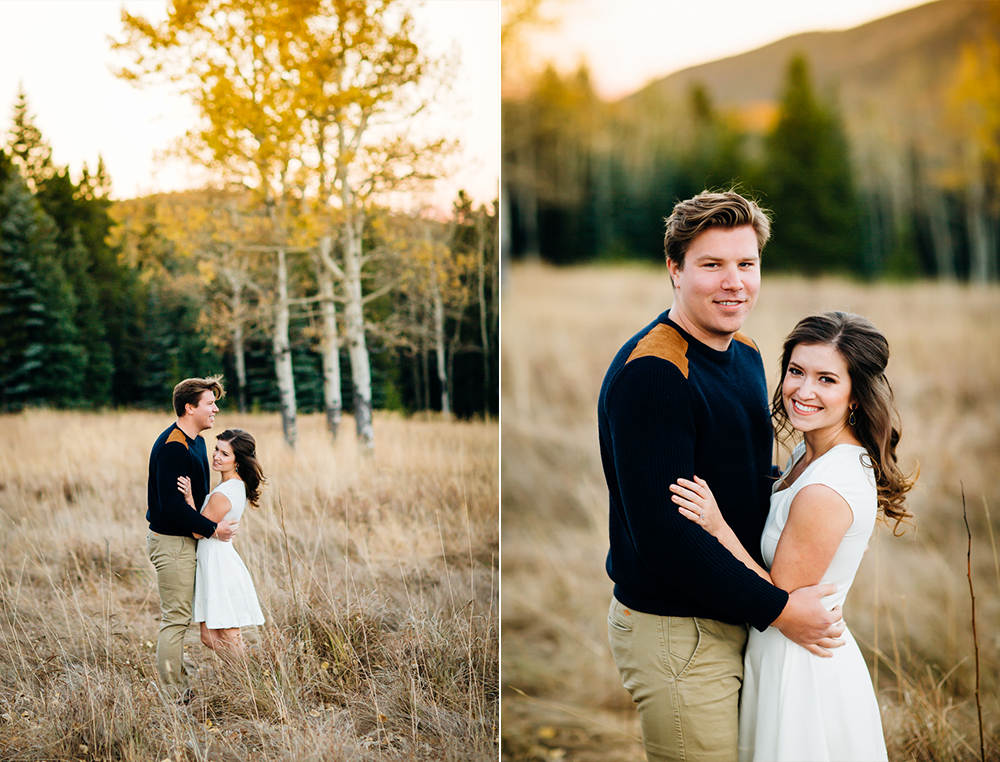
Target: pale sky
column 628, row 43
column 58, row 50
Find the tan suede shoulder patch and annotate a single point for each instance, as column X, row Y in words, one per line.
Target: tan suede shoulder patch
column 744, row 339
column 177, row 436
column 663, row 342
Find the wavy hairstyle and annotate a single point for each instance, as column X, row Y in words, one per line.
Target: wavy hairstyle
column 711, row 209
column 245, row 451
column 189, row 391
column 866, row 352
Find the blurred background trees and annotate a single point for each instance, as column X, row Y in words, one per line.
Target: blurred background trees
column 876, row 148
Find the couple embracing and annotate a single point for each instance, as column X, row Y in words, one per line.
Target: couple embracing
column 199, row 574
column 707, row 537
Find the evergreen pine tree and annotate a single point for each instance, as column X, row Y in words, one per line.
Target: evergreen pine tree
column 40, row 361
column 29, row 150
column 810, row 188
column 7, row 168
column 712, row 156
column 74, row 209
column 100, row 367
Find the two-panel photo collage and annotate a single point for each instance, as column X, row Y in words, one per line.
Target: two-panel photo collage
column 499, row 381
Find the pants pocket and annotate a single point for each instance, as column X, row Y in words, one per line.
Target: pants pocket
column 619, row 617
column 683, row 636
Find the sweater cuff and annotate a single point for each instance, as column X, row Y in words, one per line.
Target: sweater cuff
column 775, row 602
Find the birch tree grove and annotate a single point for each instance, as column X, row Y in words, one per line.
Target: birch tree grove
column 975, row 109
column 313, row 98
column 361, row 74
column 219, row 54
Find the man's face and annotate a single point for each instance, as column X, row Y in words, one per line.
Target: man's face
column 718, row 285
column 203, row 414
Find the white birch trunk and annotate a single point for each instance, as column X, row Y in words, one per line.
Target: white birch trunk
column 439, row 342
column 937, row 217
column 332, row 399
column 484, row 333
column 241, row 365
column 354, row 329
column 239, row 339
column 977, row 221
column 283, row 355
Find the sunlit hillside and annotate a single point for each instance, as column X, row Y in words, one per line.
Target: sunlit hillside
column 561, row 694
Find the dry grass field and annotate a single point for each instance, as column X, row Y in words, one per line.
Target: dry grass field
column 378, row 578
column 561, row 694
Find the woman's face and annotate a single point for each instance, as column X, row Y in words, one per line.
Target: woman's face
column 223, row 459
column 816, row 389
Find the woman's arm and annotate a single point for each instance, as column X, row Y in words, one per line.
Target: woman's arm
column 218, row 505
column 818, row 519
column 217, row 508
column 696, row 503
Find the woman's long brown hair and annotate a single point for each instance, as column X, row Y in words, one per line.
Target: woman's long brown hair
column 877, row 426
column 245, row 451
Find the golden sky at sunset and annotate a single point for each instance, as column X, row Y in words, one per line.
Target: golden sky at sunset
column 628, row 43
column 58, row 50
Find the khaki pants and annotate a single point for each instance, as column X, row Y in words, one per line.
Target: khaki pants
column 685, row 675
column 175, row 560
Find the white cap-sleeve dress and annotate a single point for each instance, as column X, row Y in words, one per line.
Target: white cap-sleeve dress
column 795, row 706
column 224, row 594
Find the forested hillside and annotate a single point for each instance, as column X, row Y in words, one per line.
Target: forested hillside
column 107, row 304
column 877, row 148
column 295, row 272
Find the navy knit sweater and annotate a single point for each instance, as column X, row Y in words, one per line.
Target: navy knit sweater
column 175, row 454
column 671, row 407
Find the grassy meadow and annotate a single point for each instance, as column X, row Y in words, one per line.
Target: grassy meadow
column 561, row 695
column 378, row 577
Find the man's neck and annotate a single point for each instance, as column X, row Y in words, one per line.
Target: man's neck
column 718, row 342
column 188, row 427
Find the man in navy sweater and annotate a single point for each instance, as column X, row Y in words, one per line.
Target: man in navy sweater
column 174, row 525
column 687, row 395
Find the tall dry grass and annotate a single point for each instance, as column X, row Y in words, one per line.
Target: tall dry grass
column 562, row 697
column 378, row 579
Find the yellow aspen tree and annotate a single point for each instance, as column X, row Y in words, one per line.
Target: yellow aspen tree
column 315, row 96
column 226, row 56
column 213, row 226
column 364, row 80
column 975, row 109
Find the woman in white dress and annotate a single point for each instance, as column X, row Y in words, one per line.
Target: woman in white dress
column 224, row 595
column 795, row 706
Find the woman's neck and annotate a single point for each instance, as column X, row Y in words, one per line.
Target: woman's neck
column 819, row 443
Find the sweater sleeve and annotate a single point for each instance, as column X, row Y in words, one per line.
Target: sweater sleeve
column 653, row 433
column 172, row 462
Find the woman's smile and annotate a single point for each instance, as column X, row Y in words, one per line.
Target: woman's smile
column 817, row 373
column 804, row 409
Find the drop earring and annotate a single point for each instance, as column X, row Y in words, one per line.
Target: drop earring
column 852, row 420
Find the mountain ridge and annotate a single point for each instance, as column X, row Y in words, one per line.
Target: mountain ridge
column 913, row 49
